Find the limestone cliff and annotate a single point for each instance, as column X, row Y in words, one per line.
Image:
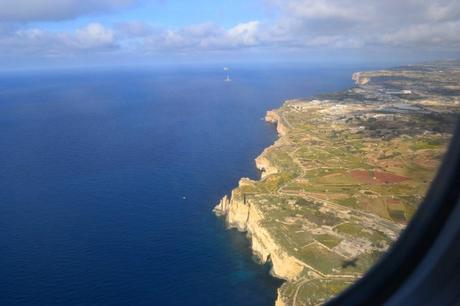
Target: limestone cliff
column 246, row 217
column 264, row 165
column 273, row 117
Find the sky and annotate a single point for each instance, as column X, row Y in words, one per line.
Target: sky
column 41, row 33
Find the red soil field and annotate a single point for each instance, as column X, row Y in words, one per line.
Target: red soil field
column 377, row 177
column 392, row 202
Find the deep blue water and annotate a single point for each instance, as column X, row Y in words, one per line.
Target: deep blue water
column 94, row 166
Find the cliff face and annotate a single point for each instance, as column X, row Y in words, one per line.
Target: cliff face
column 273, row 117
column 246, row 217
column 264, row 165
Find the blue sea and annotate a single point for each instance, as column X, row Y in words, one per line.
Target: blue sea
column 108, row 178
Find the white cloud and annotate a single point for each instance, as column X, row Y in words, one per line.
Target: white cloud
column 206, row 36
column 94, row 35
column 245, row 34
column 440, row 35
column 348, row 24
column 36, row 42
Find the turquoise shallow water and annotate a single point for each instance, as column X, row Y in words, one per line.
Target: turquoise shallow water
column 94, row 166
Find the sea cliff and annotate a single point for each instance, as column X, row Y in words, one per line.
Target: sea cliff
column 246, row 217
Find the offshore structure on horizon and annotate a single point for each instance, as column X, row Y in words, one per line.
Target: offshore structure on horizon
column 227, row 79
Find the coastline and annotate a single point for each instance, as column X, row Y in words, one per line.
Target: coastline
column 259, row 211
column 241, row 215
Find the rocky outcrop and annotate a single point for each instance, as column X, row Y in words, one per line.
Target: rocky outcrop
column 279, row 299
column 222, row 208
column 273, row 117
column 360, row 79
column 264, row 165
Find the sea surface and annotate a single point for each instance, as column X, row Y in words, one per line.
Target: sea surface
column 108, row 178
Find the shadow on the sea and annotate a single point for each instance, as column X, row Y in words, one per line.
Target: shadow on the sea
column 241, row 243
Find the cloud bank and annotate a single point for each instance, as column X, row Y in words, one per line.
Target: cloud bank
column 298, row 26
